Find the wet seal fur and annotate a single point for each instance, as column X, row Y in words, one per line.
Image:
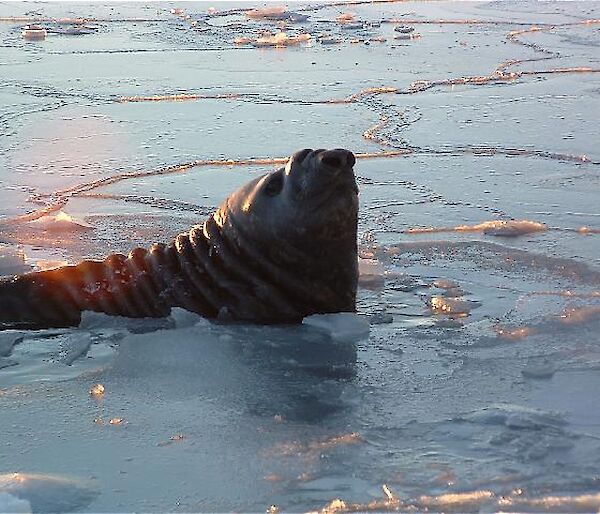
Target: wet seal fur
column 280, row 248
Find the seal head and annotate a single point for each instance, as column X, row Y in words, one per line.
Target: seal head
column 301, row 221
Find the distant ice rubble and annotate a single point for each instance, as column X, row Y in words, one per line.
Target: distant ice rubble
column 498, row 228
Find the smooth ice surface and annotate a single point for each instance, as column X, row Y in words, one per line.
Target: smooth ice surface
column 479, row 289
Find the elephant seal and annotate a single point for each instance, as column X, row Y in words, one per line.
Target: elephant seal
column 280, row 248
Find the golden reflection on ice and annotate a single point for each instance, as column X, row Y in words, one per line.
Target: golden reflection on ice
column 451, row 306
column 580, row 503
column 468, row 501
column 48, row 264
column 566, row 294
column 588, row 230
column 345, row 18
column 177, row 97
column 265, row 12
column 173, row 439
column 314, row 448
column 494, row 227
column 19, row 477
column 578, row 315
column 280, row 40
column 513, row 334
column 464, row 500
column 97, row 390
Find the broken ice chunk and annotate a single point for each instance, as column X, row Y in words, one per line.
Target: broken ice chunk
column 269, row 13
column 512, row 228
column 12, row 262
column 8, row 340
column 370, row 273
column 443, row 283
column 341, row 326
column 61, row 222
column 451, row 306
column 346, row 17
column 97, row 390
column 543, row 370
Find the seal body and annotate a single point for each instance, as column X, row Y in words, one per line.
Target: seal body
column 280, row 248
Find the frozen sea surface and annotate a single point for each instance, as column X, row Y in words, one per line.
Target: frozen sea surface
column 470, row 379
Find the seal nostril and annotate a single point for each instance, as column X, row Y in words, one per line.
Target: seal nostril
column 350, row 159
column 332, row 160
column 274, row 184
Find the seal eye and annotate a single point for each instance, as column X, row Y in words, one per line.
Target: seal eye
column 274, row 185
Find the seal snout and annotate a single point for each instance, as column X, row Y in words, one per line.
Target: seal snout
column 336, row 159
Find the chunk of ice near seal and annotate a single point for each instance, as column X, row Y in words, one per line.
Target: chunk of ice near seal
column 61, row 222
column 340, row 326
column 7, row 341
column 12, row 262
column 370, row 272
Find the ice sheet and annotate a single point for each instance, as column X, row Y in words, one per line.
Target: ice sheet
column 479, row 256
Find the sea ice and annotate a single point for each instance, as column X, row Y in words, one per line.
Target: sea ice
column 481, row 128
